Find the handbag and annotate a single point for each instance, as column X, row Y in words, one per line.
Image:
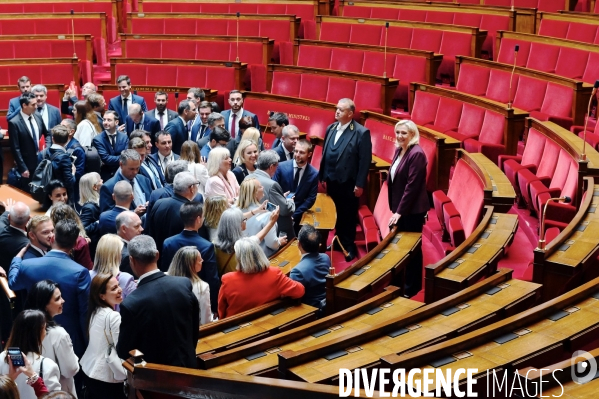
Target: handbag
column 14, row 177
column 113, row 360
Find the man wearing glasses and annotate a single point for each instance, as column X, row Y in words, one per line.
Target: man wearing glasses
column 178, row 126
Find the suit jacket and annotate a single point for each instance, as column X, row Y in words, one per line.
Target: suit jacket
column 169, row 113
column 116, row 104
column 11, row 242
column 110, row 156
column 107, row 220
column 311, row 272
column 74, row 283
column 305, row 194
column 24, row 149
column 161, row 318
column 106, row 201
column 274, row 193
column 202, row 141
column 14, row 106
column 90, row 216
column 149, row 124
column 54, row 117
column 164, row 221
column 209, row 272
column 227, row 114
column 240, row 292
column 407, row 191
column 155, row 159
column 353, row 161
column 62, row 168
column 125, row 266
column 79, row 152
column 155, row 178
column 195, row 130
column 179, row 134
column 32, row 253
column 282, row 155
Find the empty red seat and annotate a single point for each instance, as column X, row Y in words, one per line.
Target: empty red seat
column 490, row 141
column 376, row 224
column 473, row 79
column 543, row 57
column 425, row 107
column 571, row 63
column 556, row 106
column 544, row 172
column 448, row 115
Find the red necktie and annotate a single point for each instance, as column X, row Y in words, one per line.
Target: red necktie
column 233, row 127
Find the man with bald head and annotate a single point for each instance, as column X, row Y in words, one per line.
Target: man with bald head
column 128, row 226
column 70, row 97
column 123, row 197
column 138, row 120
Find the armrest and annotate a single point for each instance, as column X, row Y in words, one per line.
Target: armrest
column 502, row 158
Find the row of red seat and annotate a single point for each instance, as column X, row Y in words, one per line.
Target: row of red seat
column 531, row 91
column 562, row 57
column 578, row 27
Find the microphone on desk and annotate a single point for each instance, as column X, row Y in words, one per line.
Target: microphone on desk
column 345, row 253
column 566, row 200
column 385, row 49
column 73, row 33
column 583, row 156
column 237, row 40
column 516, row 49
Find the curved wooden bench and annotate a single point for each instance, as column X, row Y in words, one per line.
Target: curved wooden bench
column 260, row 358
column 542, row 335
column 252, row 325
column 492, row 299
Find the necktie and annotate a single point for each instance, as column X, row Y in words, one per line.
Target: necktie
column 233, row 126
column 112, row 141
column 289, row 156
column 139, row 198
column 39, row 110
column 202, row 130
column 33, row 135
column 296, row 178
column 160, row 115
column 125, row 109
column 148, row 168
column 138, row 127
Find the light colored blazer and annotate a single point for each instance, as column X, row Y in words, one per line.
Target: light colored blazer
column 201, row 290
column 58, row 347
column 51, row 375
column 215, row 186
column 93, row 362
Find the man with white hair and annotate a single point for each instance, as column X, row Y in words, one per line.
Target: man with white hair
column 164, row 219
column 14, row 236
column 128, row 226
column 289, row 139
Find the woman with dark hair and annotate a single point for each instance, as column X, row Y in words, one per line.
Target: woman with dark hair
column 27, row 334
column 190, row 152
column 46, row 297
column 56, row 194
column 104, row 326
column 87, row 123
column 81, row 253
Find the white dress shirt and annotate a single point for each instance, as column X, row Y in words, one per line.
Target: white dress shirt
column 129, row 102
column 237, row 117
column 44, row 115
column 36, row 133
column 340, row 130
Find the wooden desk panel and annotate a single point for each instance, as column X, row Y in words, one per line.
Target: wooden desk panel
column 287, row 258
column 11, row 192
column 322, row 215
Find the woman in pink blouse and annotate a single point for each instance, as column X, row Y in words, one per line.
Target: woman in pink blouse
column 222, row 181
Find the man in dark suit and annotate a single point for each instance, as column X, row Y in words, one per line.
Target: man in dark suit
column 346, row 157
column 214, row 120
column 200, row 128
column 49, row 113
column 123, row 197
column 178, row 126
column 219, row 137
column 110, row 143
column 161, row 113
column 290, row 137
column 192, row 217
column 130, row 162
column 137, row 120
column 128, row 226
column 63, row 168
column 147, row 169
column 25, row 130
column 300, row 178
column 233, row 116
column 277, row 121
column 164, row 219
column 70, row 97
column 196, row 95
column 76, row 149
column 73, row 278
column 40, row 231
column 14, row 106
column 161, row 318
column 312, row 270
column 172, row 170
column 122, row 102
column 165, row 154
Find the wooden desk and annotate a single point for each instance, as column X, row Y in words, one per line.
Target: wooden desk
column 252, row 325
column 287, row 257
column 322, row 215
column 503, row 194
column 427, row 325
column 260, row 358
column 14, row 193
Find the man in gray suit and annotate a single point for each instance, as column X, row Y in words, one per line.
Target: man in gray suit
column 267, row 164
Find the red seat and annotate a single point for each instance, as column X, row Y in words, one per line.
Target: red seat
column 448, row 115
column 557, row 105
column 563, row 182
column 471, row 122
column 544, row 172
column 530, row 93
column 553, row 28
column 490, row 141
column 571, row 63
column 347, row 60
column 543, row 57
column 425, row 107
column 314, row 87
column 473, row 79
column 314, row 56
column 506, row 51
column 499, row 89
column 377, row 221
column 286, row 84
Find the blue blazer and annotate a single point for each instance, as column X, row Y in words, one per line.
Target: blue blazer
column 305, row 195
column 155, row 159
column 116, row 104
column 311, row 272
column 106, row 201
column 149, row 124
column 209, row 272
column 54, row 117
column 79, row 152
column 107, row 221
column 195, row 129
column 14, row 106
column 74, row 283
column 110, row 157
column 227, row 114
column 179, row 135
column 279, row 150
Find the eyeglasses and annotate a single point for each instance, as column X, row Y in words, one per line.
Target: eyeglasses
column 244, row 220
column 194, row 184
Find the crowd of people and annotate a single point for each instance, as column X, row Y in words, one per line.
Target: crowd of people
column 171, row 230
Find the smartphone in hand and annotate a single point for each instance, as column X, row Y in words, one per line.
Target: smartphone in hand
column 270, row 207
column 16, row 357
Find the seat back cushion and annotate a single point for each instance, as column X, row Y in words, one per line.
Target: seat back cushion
column 530, row 93
column 425, row 108
column 493, row 128
column 382, row 213
column 558, row 100
column 466, row 193
column 473, row 79
column 533, row 151
column 551, row 152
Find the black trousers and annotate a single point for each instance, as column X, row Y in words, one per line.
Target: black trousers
column 413, row 223
column 346, row 203
column 95, row 389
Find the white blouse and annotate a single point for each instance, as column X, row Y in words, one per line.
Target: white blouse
column 93, row 362
column 201, row 173
column 58, row 347
column 85, row 133
column 201, row 289
column 395, row 166
column 51, row 374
